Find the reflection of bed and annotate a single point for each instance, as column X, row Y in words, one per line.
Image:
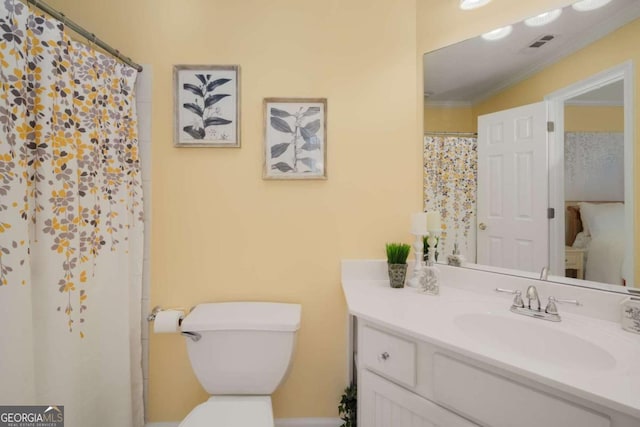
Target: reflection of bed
column 598, row 229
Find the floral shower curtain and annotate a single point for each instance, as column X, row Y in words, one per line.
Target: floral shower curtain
column 70, row 225
column 450, row 183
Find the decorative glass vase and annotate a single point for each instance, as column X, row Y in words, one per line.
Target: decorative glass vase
column 430, row 280
column 397, row 275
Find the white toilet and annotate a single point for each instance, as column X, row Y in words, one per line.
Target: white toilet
column 240, row 352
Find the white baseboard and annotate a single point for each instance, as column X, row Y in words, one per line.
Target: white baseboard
column 308, row 422
column 281, row 422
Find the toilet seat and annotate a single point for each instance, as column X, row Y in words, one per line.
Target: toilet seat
column 231, row 411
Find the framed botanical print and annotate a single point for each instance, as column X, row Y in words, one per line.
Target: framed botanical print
column 206, row 105
column 295, row 138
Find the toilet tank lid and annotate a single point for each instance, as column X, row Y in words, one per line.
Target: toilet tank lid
column 251, row 316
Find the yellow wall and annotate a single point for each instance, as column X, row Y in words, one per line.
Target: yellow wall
column 222, row 233
column 579, row 118
column 449, row 119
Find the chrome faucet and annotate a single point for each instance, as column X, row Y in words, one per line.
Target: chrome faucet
column 550, row 312
column 544, row 273
column 532, row 294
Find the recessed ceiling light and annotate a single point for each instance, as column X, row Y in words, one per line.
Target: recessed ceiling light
column 543, row 18
column 586, row 5
column 472, row 4
column 498, row 33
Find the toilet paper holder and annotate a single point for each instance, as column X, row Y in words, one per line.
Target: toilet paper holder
column 152, row 316
column 157, row 309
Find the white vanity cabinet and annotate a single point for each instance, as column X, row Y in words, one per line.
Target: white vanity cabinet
column 406, row 382
column 464, row 359
column 381, row 402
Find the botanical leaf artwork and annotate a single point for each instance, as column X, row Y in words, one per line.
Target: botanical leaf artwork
column 202, row 104
column 295, row 138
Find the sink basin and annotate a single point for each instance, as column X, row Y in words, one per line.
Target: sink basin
column 536, row 341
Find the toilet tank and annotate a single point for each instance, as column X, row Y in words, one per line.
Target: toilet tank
column 245, row 348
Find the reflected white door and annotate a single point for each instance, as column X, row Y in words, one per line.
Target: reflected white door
column 513, row 188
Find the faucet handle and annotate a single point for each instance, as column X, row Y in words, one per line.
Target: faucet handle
column 553, row 309
column 508, row 291
column 517, row 299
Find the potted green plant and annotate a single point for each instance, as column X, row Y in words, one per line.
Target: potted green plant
column 397, row 254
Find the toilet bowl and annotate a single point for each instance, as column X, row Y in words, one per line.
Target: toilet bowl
column 231, row 411
column 240, row 353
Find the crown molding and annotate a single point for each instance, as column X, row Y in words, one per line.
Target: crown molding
column 447, row 104
column 585, row 103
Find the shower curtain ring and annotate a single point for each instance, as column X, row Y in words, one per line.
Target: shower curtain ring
column 92, row 41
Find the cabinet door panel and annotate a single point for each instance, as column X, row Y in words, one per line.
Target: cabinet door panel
column 384, row 404
column 500, row 402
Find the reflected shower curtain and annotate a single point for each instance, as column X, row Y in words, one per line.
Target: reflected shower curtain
column 450, row 183
column 70, row 225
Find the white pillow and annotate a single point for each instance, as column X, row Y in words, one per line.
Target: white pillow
column 602, row 218
column 582, row 241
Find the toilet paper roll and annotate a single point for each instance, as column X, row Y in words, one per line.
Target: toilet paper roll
column 167, row 321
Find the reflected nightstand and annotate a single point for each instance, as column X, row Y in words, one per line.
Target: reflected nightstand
column 574, row 260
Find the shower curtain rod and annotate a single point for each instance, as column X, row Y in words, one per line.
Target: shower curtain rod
column 84, row 33
column 450, row 133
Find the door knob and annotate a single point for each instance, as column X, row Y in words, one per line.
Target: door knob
column 482, row 226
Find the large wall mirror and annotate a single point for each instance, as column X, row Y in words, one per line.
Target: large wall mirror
column 529, row 146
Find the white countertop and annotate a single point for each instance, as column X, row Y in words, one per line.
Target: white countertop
column 433, row 319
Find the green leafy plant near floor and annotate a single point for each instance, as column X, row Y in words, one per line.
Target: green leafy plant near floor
column 348, row 407
column 397, row 253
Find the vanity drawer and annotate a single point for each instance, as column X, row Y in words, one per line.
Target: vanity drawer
column 389, row 355
column 571, row 258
